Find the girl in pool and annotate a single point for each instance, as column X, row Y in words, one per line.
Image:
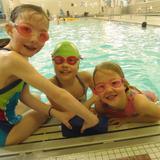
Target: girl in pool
column 28, row 31
column 66, row 59
column 120, row 101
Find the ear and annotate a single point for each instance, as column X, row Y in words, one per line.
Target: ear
column 126, row 84
column 9, row 28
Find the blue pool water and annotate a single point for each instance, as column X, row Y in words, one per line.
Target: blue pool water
column 135, row 49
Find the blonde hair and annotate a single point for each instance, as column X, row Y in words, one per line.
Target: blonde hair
column 26, row 7
column 113, row 67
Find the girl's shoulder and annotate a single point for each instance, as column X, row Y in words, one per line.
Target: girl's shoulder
column 10, row 58
column 86, row 76
column 133, row 95
column 138, row 99
column 132, row 90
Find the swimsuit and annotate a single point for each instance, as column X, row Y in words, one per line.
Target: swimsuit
column 9, row 96
column 83, row 98
column 129, row 110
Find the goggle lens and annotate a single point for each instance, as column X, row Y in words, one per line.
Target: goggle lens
column 99, row 88
column 26, row 31
column 58, row 60
column 43, row 37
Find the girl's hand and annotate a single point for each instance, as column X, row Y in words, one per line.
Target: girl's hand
column 93, row 110
column 63, row 117
column 95, row 98
column 90, row 123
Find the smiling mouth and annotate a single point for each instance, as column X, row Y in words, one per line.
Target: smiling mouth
column 111, row 97
column 65, row 72
column 30, row 48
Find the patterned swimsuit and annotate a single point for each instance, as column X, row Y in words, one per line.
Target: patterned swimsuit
column 9, row 96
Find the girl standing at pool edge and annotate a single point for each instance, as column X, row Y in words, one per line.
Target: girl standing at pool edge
column 28, row 31
column 120, row 101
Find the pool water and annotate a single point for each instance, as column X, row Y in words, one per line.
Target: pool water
column 135, row 49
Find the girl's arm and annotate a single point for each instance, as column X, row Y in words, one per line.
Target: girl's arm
column 33, row 102
column 87, row 77
column 146, row 107
column 56, row 106
column 91, row 101
column 17, row 65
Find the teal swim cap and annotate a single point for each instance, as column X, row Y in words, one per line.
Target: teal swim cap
column 65, row 49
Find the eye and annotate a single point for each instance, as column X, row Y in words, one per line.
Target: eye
column 116, row 83
column 72, row 60
column 24, row 30
column 43, row 36
column 100, row 87
column 58, row 60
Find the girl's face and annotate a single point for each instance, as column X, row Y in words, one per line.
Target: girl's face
column 110, row 88
column 64, row 70
column 29, row 33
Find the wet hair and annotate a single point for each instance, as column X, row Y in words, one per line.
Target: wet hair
column 26, row 7
column 17, row 11
column 113, row 67
column 4, row 42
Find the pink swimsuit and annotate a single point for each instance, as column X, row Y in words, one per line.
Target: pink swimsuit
column 129, row 109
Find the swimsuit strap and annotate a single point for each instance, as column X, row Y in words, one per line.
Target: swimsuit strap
column 83, row 98
column 7, row 49
column 130, row 109
column 59, row 84
column 81, row 83
column 79, row 79
column 10, row 86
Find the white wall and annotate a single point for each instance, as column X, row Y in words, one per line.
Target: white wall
column 80, row 6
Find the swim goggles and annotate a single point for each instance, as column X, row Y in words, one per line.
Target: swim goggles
column 27, row 31
column 70, row 60
column 100, row 87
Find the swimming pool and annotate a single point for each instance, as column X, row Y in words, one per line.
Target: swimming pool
column 135, row 49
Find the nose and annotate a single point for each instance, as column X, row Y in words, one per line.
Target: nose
column 34, row 37
column 108, row 88
column 65, row 64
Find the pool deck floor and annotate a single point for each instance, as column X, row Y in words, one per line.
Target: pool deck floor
column 129, row 140
column 151, row 20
